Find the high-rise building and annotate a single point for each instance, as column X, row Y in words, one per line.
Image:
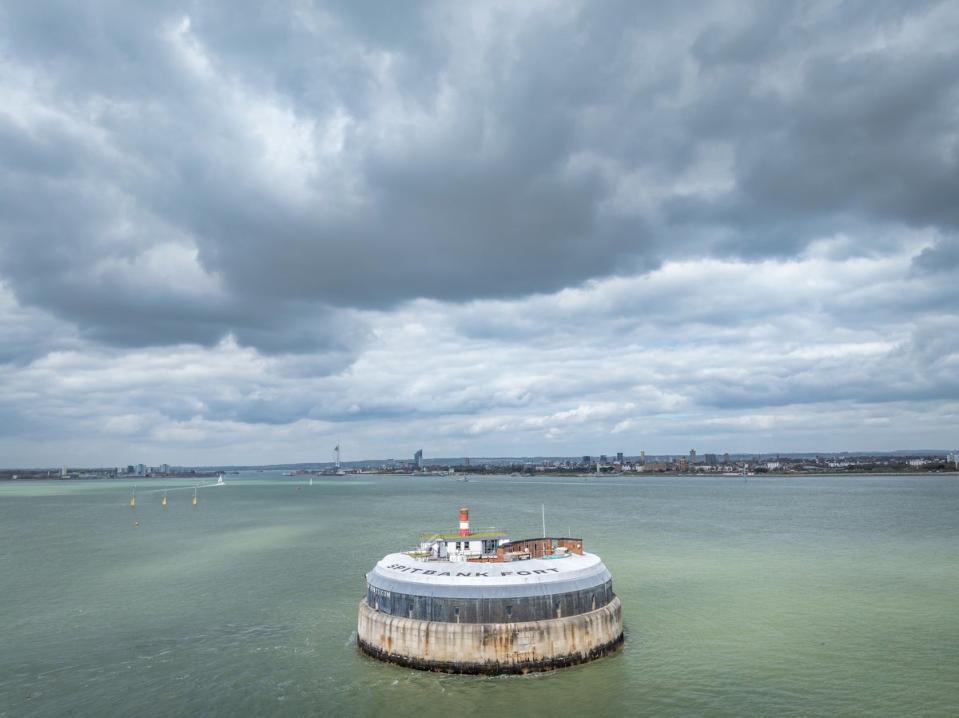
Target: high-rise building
column 603, row 460
column 692, row 456
column 587, row 460
column 726, row 458
column 619, row 457
column 642, row 457
column 418, row 459
column 710, row 459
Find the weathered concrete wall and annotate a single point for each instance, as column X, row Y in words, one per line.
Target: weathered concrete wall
column 490, row 647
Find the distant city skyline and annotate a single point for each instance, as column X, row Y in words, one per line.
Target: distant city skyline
column 421, row 461
column 502, row 230
column 643, row 464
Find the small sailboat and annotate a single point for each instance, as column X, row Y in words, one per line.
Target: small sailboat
column 195, row 500
column 220, row 481
column 163, row 501
column 133, row 499
column 311, row 481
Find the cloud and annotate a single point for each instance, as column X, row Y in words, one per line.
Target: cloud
column 475, row 223
column 470, row 153
column 640, row 362
column 942, row 256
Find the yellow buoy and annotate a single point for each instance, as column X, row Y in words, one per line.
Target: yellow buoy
column 163, row 501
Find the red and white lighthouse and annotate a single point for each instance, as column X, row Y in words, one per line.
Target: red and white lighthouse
column 464, row 521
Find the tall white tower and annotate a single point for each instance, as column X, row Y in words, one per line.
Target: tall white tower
column 336, row 450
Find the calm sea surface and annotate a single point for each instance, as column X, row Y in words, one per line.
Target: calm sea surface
column 774, row 597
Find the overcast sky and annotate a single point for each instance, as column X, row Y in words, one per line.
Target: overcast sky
column 243, row 233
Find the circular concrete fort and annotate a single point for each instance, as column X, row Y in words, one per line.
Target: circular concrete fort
column 477, row 602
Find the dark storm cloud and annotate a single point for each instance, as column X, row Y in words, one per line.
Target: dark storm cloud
column 869, row 137
column 943, row 256
column 354, row 155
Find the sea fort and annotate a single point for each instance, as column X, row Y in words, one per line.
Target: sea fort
column 480, row 602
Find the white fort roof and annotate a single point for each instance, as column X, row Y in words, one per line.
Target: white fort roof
column 399, row 573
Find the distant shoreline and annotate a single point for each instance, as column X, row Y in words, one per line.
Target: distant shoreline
column 31, row 476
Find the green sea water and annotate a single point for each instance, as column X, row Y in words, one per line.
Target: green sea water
column 814, row 596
